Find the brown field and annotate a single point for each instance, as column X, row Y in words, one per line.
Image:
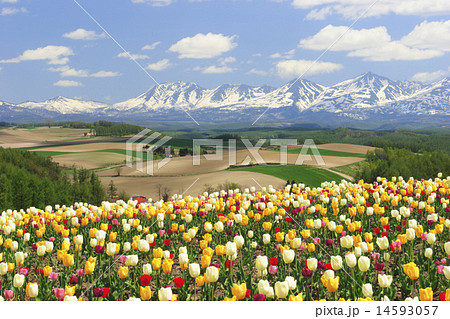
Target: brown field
column 179, row 174
column 189, row 185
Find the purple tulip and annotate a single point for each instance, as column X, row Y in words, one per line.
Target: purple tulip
column 259, row 297
column 98, row 292
column 306, row 272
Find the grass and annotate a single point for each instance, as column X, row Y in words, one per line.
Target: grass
column 350, row 169
column 328, row 153
column 309, row 175
column 50, row 153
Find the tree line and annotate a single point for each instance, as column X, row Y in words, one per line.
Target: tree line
column 28, row 179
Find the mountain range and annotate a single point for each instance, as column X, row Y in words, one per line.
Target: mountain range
column 366, row 98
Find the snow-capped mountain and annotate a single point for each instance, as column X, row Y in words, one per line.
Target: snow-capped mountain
column 368, row 97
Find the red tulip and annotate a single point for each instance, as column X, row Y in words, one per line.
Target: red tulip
column 442, row 296
column 145, row 280
column 247, row 294
column 273, row 261
column 106, row 292
column 179, row 282
column 39, row 271
column 384, row 234
column 167, row 241
column 376, row 230
column 277, row 229
column 229, row 263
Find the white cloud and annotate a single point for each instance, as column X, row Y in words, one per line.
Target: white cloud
column 66, row 71
column 151, row 46
column 11, row 11
column 105, row 74
column 82, row 34
column 286, row 55
column 203, row 46
column 217, row 69
column 10, row 1
column 352, row 9
column 155, row 3
column 257, row 54
column 429, row 76
column 160, row 65
column 133, row 56
column 289, row 69
column 54, row 54
column 429, row 35
column 226, row 60
column 348, row 39
column 67, row 83
column 395, row 51
column 376, row 45
column 257, row 72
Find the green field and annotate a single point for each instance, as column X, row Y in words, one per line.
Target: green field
column 328, row 153
column 309, row 175
column 350, row 169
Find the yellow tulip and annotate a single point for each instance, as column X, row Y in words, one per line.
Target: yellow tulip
column 167, row 265
column 89, row 267
column 426, row 294
column 145, row 293
column 239, row 291
column 200, row 281
column 299, row 297
column 411, row 270
column 220, row 250
column 157, row 253
column 156, row 263
column 69, row 291
column 123, row 272
column 68, row 260
column 47, row 271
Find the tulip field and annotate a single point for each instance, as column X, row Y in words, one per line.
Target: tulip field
column 386, row 240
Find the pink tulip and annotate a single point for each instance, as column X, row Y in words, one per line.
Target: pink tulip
column 316, row 241
column 324, row 224
column 23, row 271
column 440, row 269
column 80, row 272
column 52, row 239
column 229, row 223
column 302, row 247
column 423, row 236
column 278, row 246
column 344, row 232
column 9, row 294
column 54, row 276
column 59, row 293
column 273, row 269
column 443, row 261
column 123, row 258
column 375, row 256
column 110, row 217
column 97, row 219
column 397, row 244
column 161, row 232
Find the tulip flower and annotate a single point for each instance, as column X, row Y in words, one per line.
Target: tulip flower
column 411, row 270
column 311, row 263
column 259, row 297
column 426, row 294
column 194, row 270
column 261, row 263
column 281, row 289
column 363, row 263
column 239, row 291
column 165, row 294
column 446, row 271
column 32, row 290
column 59, row 293
column 384, row 281
column 288, row 256
column 123, row 272
column 145, row 280
column 336, row 262
column 18, row 281
column 98, row 292
column 9, row 294
column 239, row 240
column 367, row 290
column 291, row 282
column 231, row 248
column 383, row 243
column 145, row 293
column 212, row 274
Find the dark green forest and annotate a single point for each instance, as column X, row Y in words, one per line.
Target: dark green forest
column 28, row 179
column 390, row 162
column 106, row 128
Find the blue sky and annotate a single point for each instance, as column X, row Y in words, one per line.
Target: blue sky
column 52, row 47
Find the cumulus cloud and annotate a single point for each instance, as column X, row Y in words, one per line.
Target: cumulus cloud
column 395, row 51
column 348, row 39
column 67, row 83
column 12, row 11
column 430, row 76
column 82, row 34
column 429, row 35
column 129, row 55
column 52, row 53
column 160, row 65
column 286, row 55
column 151, row 46
column 376, row 44
column 155, row 3
column 289, row 69
column 257, row 72
column 217, row 69
column 203, row 46
column 105, row 74
column 351, row 9
column 66, row 71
